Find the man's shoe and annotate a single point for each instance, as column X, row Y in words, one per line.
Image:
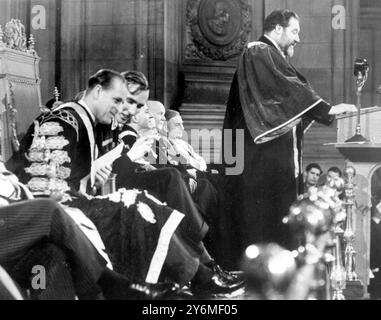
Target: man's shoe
column 217, row 285
column 115, row 286
column 151, row 291
column 227, row 275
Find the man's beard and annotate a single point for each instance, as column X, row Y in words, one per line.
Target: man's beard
column 289, row 51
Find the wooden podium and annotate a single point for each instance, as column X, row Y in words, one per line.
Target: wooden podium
column 366, row 159
column 20, row 96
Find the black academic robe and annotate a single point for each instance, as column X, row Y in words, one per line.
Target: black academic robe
column 166, row 183
column 202, row 207
column 273, row 104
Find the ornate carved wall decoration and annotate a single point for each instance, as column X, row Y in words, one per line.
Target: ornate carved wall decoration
column 218, row 29
column 12, row 119
column 13, row 36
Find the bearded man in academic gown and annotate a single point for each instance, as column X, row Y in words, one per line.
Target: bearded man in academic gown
column 273, row 103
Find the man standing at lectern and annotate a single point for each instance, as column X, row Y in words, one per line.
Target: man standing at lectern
column 274, row 104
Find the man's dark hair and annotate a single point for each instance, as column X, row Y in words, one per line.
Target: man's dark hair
column 104, row 78
column 336, row 170
column 281, row 17
column 313, row 165
column 136, row 81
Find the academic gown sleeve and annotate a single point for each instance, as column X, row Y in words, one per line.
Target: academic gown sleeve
column 274, row 96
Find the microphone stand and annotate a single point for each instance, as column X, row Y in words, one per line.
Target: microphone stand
column 360, row 82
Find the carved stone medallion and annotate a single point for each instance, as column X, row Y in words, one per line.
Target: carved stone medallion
column 219, row 29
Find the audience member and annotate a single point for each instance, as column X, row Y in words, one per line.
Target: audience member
column 311, row 176
column 334, row 172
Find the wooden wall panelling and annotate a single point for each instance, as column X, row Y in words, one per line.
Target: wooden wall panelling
column 370, row 49
column 207, row 75
column 172, row 46
column 46, row 48
column 73, row 48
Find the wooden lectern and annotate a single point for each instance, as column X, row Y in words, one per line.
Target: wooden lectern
column 366, row 159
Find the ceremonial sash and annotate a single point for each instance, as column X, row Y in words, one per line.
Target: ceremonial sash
column 161, row 251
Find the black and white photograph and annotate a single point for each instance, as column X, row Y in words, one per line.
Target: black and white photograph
column 190, row 155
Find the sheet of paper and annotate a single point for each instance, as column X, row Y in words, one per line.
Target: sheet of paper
column 106, row 159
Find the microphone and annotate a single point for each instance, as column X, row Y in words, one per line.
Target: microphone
column 361, row 67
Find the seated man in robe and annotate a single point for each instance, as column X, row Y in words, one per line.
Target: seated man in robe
column 40, row 232
column 58, row 155
column 175, row 134
column 207, row 192
column 167, row 154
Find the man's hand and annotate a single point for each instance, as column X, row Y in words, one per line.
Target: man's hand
column 342, row 108
column 102, row 175
column 140, row 148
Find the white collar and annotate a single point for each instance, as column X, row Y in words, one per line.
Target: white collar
column 276, row 45
column 83, row 104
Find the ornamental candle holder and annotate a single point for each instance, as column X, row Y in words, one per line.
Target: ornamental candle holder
column 349, row 234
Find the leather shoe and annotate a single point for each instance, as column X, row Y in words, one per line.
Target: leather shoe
column 235, row 276
column 150, row 291
column 217, row 285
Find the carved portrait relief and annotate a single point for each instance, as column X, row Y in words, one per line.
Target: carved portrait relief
column 219, row 29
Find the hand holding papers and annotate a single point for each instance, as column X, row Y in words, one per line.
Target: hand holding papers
column 101, row 166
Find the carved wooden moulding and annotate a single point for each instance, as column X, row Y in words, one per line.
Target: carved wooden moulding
column 14, row 37
column 218, row 29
